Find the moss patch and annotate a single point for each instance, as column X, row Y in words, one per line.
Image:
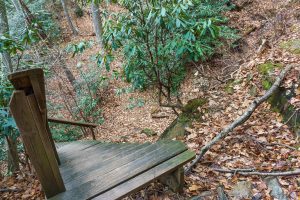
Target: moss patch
column 268, row 67
column 265, row 69
column 229, row 86
column 292, row 46
column 266, row 83
column 149, row 132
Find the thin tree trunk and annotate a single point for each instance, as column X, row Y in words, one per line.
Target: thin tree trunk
column 4, row 29
column 74, row 30
column 12, row 154
column 29, row 17
column 69, row 75
column 97, row 22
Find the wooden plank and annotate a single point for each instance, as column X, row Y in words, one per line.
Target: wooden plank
column 145, row 178
column 110, row 158
column 71, row 122
column 98, row 159
column 59, row 145
column 98, row 153
column 68, row 156
column 80, row 189
column 36, row 141
column 94, row 153
column 77, row 146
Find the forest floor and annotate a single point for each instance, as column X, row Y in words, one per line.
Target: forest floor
column 251, row 145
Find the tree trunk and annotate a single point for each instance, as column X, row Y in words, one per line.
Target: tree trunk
column 4, row 29
column 29, row 17
column 75, row 32
column 69, row 75
column 97, row 22
column 12, row 155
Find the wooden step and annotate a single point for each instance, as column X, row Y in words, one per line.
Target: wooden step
column 145, row 178
column 100, row 174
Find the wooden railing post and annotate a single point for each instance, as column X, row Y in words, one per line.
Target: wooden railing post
column 32, row 81
column 33, row 129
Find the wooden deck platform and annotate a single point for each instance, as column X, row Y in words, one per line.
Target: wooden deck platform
column 109, row 170
column 88, row 169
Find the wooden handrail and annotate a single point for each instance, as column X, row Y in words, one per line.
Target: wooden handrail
column 76, row 123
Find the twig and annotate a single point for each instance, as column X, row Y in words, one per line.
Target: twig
column 10, row 190
column 287, row 121
column 160, row 116
column 261, row 48
column 272, row 144
column 241, row 119
column 279, row 144
column 252, row 173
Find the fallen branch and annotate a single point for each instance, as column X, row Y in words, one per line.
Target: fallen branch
column 251, row 173
column 10, row 190
column 241, row 119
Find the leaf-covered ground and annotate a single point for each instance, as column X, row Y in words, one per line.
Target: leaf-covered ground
column 230, row 83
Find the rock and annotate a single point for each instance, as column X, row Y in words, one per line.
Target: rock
column 276, row 190
column 221, row 193
column 281, row 102
column 242, row 190
column 177, row 128
column 149, row 132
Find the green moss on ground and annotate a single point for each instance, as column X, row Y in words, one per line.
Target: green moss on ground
column 268, row 67
column 229, row 86
column 292, row 46
column 149, row 132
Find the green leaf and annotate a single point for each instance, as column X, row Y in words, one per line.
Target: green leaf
column 163, row 12
column 178, row 22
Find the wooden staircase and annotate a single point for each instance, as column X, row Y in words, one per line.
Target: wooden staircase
column 88, row 169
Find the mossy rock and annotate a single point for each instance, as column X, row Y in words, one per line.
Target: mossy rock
column 189, row 113
column 193, row 104
column 292, row 46
column 149, row 132
column 280, row 103
column 176, row 129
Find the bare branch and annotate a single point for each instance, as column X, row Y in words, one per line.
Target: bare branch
column 241, row 119
column 252, row 173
